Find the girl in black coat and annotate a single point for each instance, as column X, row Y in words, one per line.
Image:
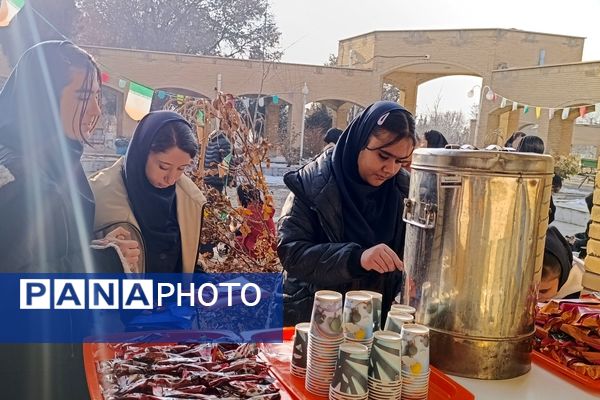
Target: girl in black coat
column 341, row 227
column 48, row 107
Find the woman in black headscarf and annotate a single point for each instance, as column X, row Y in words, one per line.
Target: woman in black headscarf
column 435, row 140
column 561, row 272
column 148, row 193
column 48, row 107
column 341, row 227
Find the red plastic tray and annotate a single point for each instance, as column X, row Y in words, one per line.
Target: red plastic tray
column 557, row 368
column 441, row 386
column 95, row 352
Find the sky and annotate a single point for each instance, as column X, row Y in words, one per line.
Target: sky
column 311, row 30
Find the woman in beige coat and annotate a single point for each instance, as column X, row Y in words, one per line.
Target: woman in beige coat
column 147, row 193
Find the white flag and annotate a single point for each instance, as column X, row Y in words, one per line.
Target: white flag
column 551, row 113
column 503, row 102
column 565, row 112
column 515, row 105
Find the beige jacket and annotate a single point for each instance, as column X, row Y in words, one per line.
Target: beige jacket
column 113, row 207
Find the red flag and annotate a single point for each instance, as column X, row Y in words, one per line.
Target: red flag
column 104, row 77
column 582, row 111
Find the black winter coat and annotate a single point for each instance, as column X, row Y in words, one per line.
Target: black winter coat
column 311, row 243
column 41, row 371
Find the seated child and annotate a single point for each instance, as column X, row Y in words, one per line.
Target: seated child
column 561, row 272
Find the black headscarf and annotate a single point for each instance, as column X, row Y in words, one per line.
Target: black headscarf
column 30, row 124
column 435, row 140
column 369, row 212
column 155, row 209
column 558, row 248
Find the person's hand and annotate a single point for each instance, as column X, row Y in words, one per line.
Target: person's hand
column 381, row 258
column 129, row 248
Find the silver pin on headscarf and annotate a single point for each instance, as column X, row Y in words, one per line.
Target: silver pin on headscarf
column 382, row 119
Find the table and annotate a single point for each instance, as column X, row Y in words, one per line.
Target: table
column 537, row 384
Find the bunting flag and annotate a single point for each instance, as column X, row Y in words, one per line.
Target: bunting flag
column 275, row 99
column 503, row 102
column 200, row 117
column 104, row 77
column 122, row 83
column 515, row 106
column 525, row 109
column 551, row 113
column 161, row 94
column 565, row 113
column 8, row 10
column 582, row 111
column 139, row 100
column 538, row 112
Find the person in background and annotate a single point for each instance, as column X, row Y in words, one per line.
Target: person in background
column 218, row 151
column 434, row 140
column 561, row 272
column 579, row 241
column 259, row 221
column 530, row 144
column 556, row 183
column 331, row 137
column 148, row 192
column 341, row 227
column 514, row 140
column 49, row 107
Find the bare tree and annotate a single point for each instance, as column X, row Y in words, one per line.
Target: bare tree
column 390, row 92
column 332, row 61
column 452, row 124
column 228, row 28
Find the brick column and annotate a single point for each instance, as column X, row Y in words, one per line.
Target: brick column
column 560, row 133
column 591, row 278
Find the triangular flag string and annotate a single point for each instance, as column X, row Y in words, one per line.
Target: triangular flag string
column 583, row 109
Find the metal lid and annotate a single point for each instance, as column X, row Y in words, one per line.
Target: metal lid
column 501, row 162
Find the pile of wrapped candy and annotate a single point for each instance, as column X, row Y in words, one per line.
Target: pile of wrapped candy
column 568, row 331
column 186, row 371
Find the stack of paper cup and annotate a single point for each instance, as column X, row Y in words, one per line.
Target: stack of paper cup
column 403, row 308
column 385, row 379
column 324, row 339
column 377, row 301
column 358, row 318
column 415, row 362
column 351, row 373
column 300, row 350
column 396, row 319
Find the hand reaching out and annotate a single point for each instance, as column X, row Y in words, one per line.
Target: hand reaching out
column 381, row 258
